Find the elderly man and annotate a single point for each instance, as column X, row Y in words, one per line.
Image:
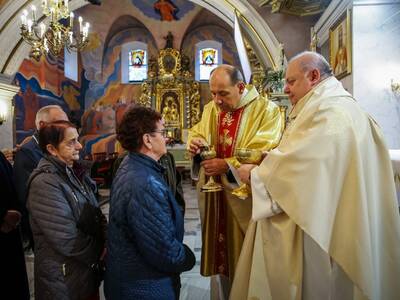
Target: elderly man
column 27, row 159
column 326, row 196
column 238, row 117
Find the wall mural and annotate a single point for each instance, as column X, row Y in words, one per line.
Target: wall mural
column 39, row 89
column 164, row 10
column 108, row 97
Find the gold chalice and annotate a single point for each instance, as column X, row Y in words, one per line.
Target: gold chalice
column 246, row 156
column 211, row 185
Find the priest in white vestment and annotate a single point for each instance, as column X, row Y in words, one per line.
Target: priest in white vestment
column 326, row 223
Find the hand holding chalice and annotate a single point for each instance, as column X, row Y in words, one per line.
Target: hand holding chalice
column 208, row 152
column 246, row 156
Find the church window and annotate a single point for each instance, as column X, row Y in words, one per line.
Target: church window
column 137, row 65
column 134, row 60
column 208, row 57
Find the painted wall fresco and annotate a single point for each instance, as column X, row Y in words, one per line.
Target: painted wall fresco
column 43, row 83
column 164, row 10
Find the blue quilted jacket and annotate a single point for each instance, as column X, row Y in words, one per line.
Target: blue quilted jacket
column 145, row 251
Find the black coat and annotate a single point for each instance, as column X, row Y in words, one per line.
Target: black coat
column 13, row 278
column 64, row 253
column 26, row 160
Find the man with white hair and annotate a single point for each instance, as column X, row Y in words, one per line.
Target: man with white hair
column 328, row 224
column 28, row 157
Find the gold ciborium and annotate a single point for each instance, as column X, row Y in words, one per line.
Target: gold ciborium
column 246, row 156
column 211, row 186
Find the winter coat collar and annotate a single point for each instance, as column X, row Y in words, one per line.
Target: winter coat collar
column 147, row 161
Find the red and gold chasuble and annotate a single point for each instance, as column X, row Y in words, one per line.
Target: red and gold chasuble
column 228, row 128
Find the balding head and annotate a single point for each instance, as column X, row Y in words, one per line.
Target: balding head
column 48, row 114
column 226, row 86
column 304, row 72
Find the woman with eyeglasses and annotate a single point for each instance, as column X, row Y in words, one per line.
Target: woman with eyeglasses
column 145, row 253
column 67, row 225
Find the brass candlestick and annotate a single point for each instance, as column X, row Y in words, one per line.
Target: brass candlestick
column 211, row 186
column 246, row 156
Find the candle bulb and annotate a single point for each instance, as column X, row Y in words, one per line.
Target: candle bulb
column 42, row 28
column 71, row 20
column 80, row 24
column 33, row 8
column 29, row 25
column 23, row 20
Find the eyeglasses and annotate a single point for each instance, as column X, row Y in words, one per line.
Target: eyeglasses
column 163, row 132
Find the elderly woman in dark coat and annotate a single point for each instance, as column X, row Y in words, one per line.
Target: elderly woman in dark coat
column 67, row 229
column 145, row 253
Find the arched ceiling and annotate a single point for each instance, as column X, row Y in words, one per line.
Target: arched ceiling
column 13, row 50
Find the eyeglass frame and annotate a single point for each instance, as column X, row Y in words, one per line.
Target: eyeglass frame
column 164, row 132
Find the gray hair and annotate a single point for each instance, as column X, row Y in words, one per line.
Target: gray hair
column 43, row 113
column 313, row 60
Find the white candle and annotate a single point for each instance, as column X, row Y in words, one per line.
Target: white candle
column 33, row 8
column 42, row 28
column 45, row 45
column 71, row 19
column 66, row 3
column 52, row 14
column 44, row 4
column 70, row 37
column 23, row 20
column 29, row 25
column 80, row 24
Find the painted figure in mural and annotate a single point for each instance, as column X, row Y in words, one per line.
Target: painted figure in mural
column 340, row 65
column 170, row 112
column 31, row 106
column 167, row 10
column 225, row 125
column 70, row 94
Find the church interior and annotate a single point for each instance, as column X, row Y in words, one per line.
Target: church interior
column 159, row 54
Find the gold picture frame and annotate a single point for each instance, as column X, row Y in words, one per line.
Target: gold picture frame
column 340, row 45
column 170, row 103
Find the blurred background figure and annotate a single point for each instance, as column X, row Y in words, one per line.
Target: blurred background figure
column 68, row 228
column 14, row 280
column 145, row 250
column 27, row 158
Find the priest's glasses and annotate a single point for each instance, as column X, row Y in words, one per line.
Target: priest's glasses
column 208, row 152
column 246, row 156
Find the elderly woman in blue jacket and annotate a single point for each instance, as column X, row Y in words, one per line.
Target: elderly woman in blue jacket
column 145, row 250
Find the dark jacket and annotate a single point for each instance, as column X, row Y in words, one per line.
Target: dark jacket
column 26, row 160
column 64, row 254
column 13, row 278
column 171, row 176
column 145, row 253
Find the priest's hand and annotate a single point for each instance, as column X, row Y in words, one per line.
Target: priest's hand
column 244, row 172
column 215, row 166
column 10, row 221
column 195, row 146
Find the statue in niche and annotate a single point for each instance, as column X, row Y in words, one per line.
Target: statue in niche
column 152, row 66
column 185, row 63
column 195, row 103
column 169, row 40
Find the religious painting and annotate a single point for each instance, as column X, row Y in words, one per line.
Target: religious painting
column 166, row 9
column 340, row 46
column 169, row 102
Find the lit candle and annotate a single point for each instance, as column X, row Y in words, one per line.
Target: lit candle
column 42, row 28
column 80, row 24
column 33, row 8
column 70, row 37
column 23, row 20
column 44, row 4
column 52, row 14
column 45, row 45
column 87, row 28
column 71, row 19
column 66, row 4
column 29, row 25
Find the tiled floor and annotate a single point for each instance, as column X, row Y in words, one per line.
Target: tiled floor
column 194, row 286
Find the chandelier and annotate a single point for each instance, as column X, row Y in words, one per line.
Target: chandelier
column 58, row 34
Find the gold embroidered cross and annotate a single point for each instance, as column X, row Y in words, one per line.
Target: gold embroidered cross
column 227, row 120
column 225, row 140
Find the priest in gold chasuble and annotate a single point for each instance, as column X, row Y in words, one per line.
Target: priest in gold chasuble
column 238, row 117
